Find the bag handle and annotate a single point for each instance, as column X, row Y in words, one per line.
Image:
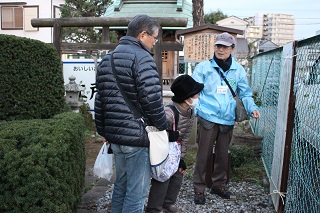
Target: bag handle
column 175, row 115
column 227, row 82
column 173, row 134
column 124, row 95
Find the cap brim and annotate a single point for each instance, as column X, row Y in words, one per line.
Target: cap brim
column 223, row 43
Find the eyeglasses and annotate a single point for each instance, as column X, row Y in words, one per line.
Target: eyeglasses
column 220, row 46
column 155, row 38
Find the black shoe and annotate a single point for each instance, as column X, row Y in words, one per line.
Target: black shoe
column 221, row 191
column 171, row 208
column 199, row 198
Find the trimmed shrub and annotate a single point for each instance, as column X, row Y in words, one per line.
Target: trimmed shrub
column 31, row 83
column 42, row 164
column 240, row 155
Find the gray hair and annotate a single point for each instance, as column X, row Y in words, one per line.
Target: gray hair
column 142, row 23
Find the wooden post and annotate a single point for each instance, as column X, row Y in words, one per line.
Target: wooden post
column 57, row 37
column 158, row 56
column 106, row 35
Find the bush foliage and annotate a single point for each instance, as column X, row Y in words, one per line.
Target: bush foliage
column 42, row 164
column 240, row 155
column 31, row 83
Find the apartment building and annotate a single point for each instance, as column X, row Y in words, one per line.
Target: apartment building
column 253, row 33
column 16, row 17
column 277, row 28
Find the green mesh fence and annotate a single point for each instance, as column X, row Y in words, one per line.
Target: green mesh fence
column 303, row 184
column 303, row 193
column 183, row 68
column 265, row 83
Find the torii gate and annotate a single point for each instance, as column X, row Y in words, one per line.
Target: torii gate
column 105, row 23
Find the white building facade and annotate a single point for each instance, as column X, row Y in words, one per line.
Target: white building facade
column 16, row 18
column 234, row 22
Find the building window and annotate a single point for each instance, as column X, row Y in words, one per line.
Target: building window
column 18, row 17
column 164, row 55
column 12, row 18
column 30, row 12
column 57, row 12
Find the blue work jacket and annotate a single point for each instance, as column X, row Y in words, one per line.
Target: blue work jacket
column 216, row 107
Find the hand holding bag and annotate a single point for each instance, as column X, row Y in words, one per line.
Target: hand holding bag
column 104, row 162
column 241, row 113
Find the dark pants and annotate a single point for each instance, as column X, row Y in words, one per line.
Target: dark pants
column 164, row 193
column 206, row 139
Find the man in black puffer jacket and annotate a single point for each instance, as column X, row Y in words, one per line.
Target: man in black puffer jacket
column 137, row 74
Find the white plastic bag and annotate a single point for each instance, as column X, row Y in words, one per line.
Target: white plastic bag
column 103, row 164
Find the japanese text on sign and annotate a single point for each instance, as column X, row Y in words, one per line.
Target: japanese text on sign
column 199, row 47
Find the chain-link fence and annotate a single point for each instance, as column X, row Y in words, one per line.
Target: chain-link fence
column 183, row 68
column 303, row 184
column 303, row 194
column 265, row 83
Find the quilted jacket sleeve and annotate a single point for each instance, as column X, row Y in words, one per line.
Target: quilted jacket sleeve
column 98, row 115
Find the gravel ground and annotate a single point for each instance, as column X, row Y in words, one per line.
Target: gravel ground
column 250, row 198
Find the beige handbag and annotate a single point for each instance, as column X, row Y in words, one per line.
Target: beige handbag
column 158, row 150
column 165, row 169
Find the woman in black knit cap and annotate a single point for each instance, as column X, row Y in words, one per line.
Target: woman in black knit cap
column 163, row 195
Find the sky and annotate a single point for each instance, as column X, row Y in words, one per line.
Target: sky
column 305, row 12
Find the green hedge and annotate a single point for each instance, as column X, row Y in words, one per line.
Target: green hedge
column 31, row 82
column 42, row 164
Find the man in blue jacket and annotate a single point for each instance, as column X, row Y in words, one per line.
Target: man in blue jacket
column 216, row 114
column 138, row 78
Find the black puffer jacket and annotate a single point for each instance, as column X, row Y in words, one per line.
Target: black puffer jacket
column 138, row 76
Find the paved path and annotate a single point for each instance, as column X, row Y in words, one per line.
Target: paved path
column 97, row 188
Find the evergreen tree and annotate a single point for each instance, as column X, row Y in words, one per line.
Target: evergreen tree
column 83, row 8
column 213, row 17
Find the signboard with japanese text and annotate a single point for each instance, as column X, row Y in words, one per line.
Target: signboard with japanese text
column 199, row 47
column 85, row 72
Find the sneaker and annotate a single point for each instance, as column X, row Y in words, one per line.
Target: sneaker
column 221, row 191
column 171, row 208
column 199, row 198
